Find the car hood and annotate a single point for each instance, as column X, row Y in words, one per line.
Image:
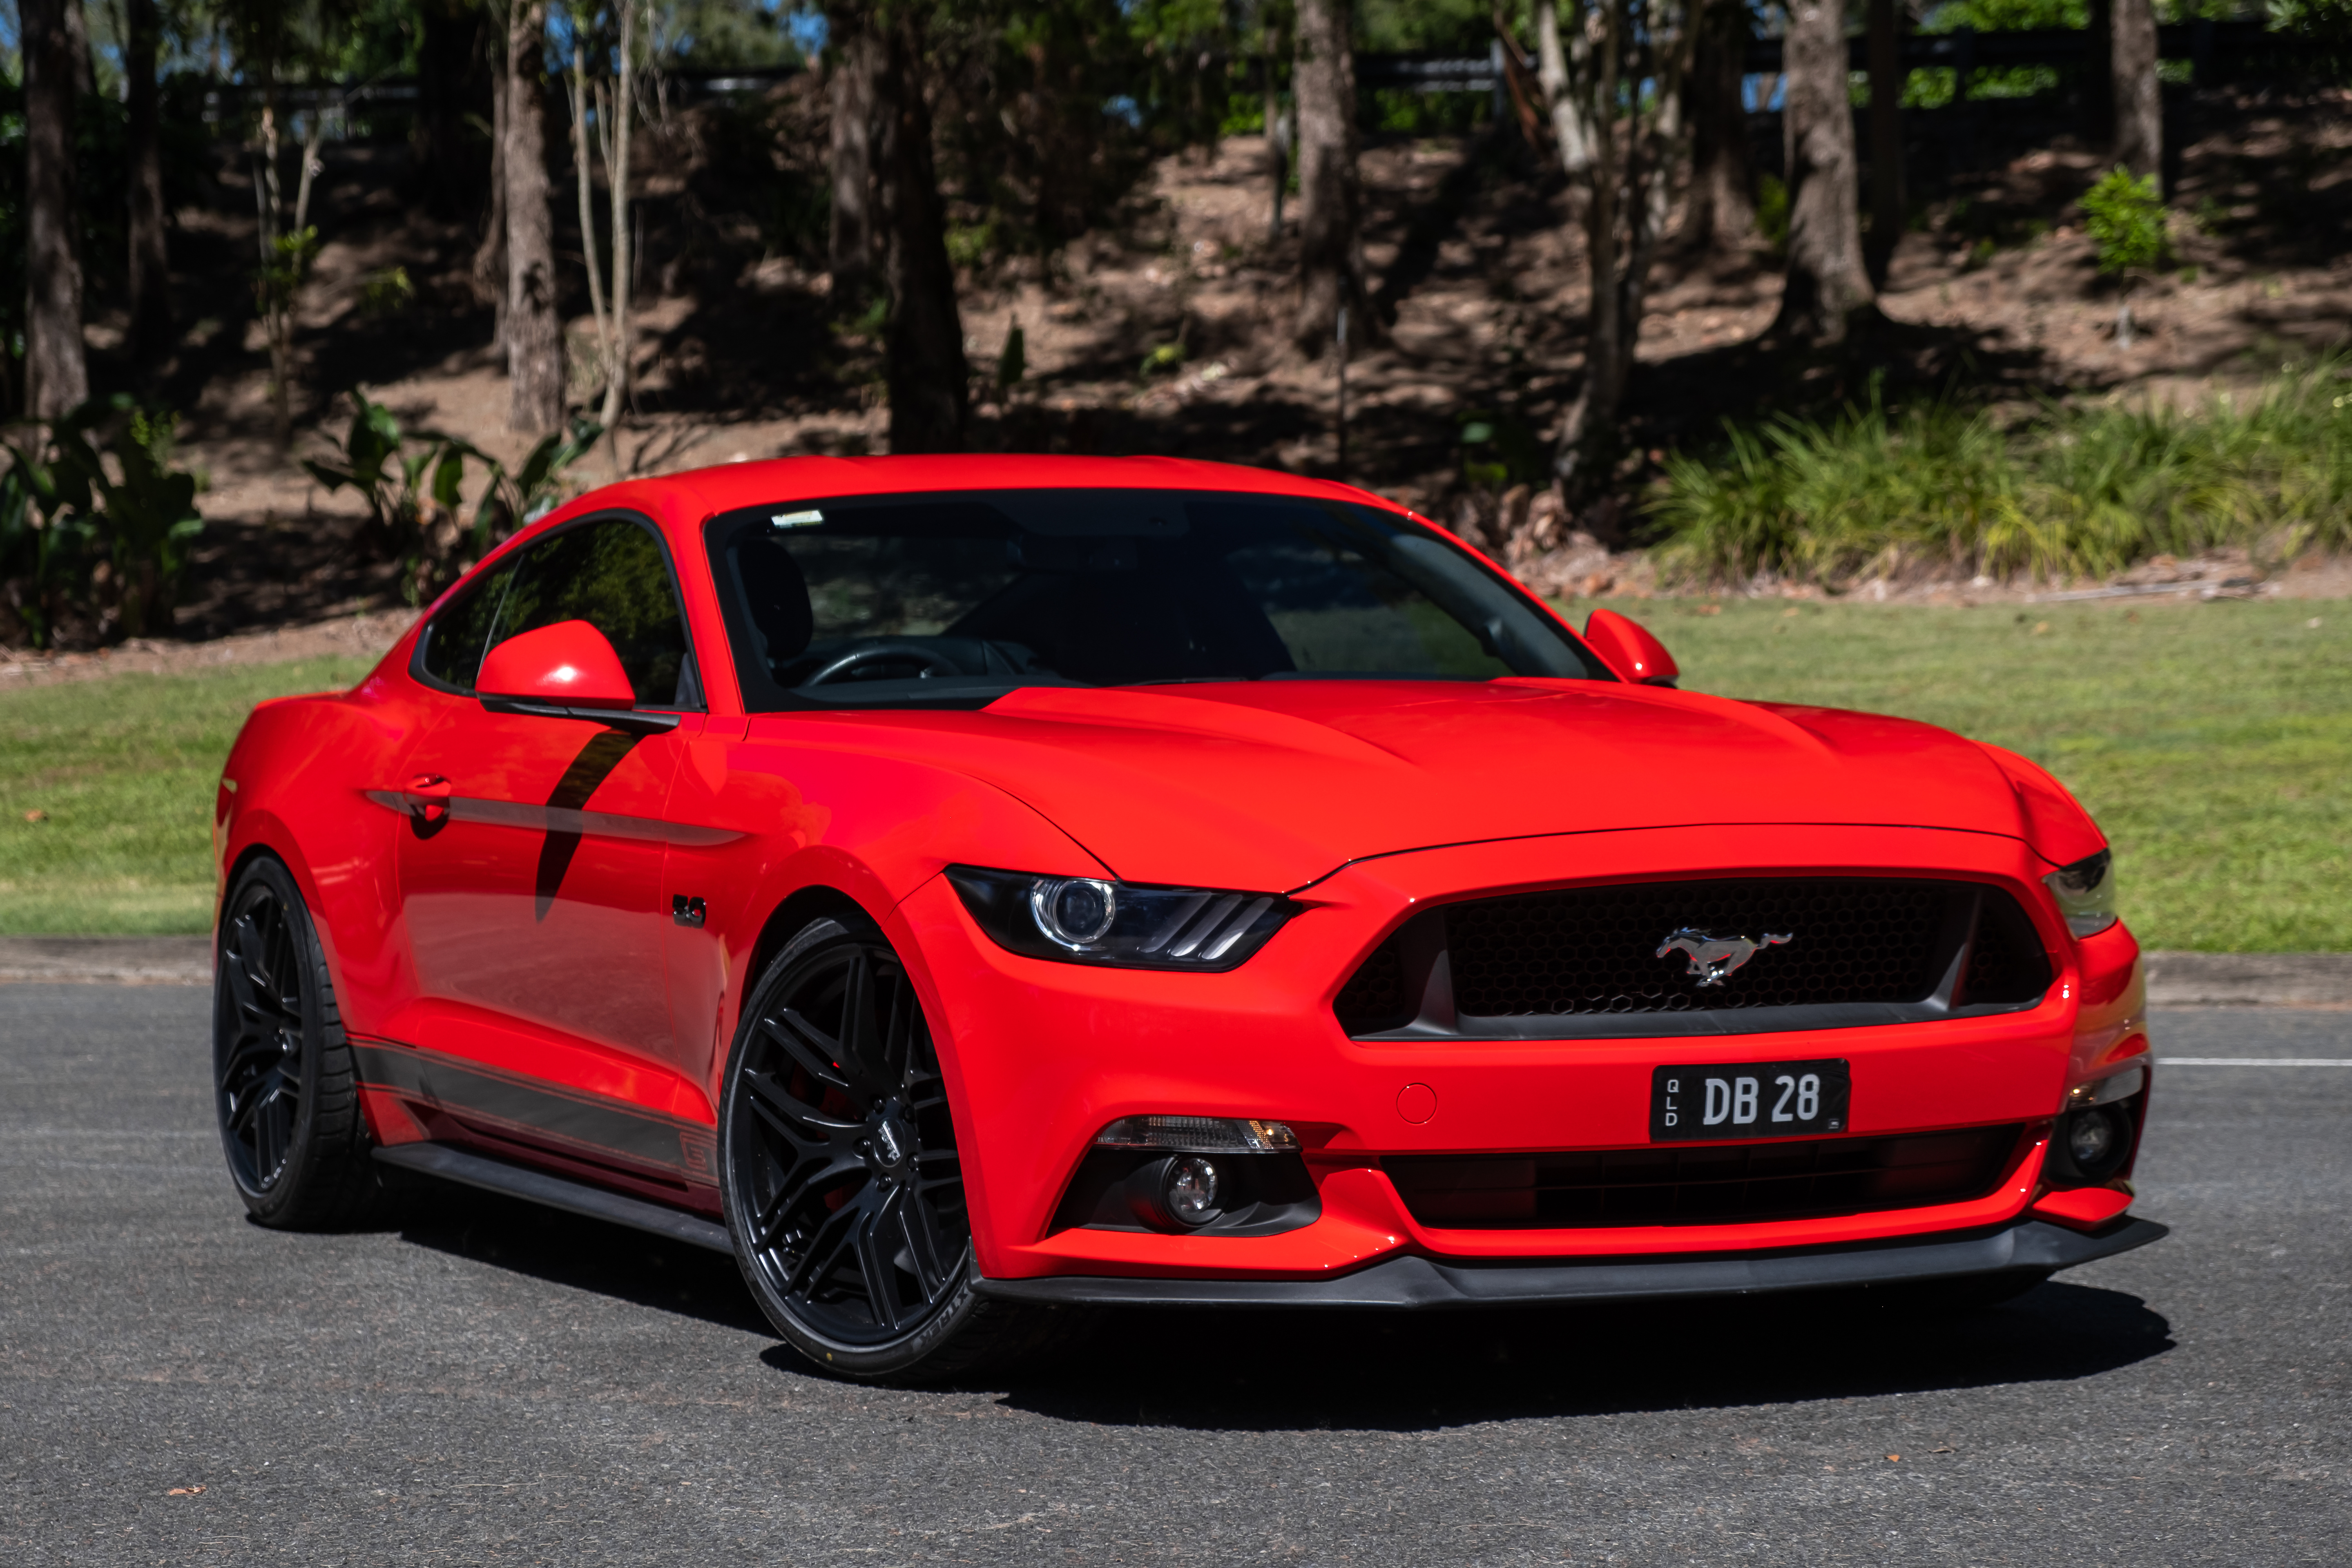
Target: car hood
column 1272, row 785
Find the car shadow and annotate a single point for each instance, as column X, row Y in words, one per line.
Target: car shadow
column 580, row 1253
column 1303, row 1370
column 1272, row 1372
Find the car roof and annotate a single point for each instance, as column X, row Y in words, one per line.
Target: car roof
column 732, row 485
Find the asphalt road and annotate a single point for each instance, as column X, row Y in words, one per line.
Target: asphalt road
column 492, row 1383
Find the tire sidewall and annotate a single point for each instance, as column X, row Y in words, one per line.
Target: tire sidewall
column 937, row 1331
column 282, row 1196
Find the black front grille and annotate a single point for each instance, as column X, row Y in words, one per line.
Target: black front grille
column 1861, row 944
column 1704, row 1185
column 1376, row 991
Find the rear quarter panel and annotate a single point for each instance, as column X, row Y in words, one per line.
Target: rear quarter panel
column 293, row 787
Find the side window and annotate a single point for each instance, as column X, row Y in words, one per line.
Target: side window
column 610, row 573
column 451, row 650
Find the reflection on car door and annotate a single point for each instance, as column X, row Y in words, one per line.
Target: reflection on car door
column 530, row 876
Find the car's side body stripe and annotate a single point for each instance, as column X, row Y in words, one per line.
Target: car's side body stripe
column 561, row 819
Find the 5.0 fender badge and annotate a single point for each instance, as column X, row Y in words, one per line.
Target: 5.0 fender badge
column 1714, row 958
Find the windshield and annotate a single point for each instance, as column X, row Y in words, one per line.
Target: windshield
column 953, row 599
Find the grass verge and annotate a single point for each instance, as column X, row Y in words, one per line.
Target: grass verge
column 2213, row 741
column 121, row 771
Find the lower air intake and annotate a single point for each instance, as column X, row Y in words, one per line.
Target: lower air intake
column 1704, row 1185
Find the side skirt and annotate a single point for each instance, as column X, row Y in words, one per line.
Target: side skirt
column 572, row 1198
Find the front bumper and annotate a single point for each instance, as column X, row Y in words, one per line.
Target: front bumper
column 1040, row 1056
column 2029, row 1248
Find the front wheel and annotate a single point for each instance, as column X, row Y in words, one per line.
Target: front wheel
column 843, row 1185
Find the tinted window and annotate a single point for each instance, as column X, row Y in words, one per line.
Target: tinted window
column 611, row 575
column 452, row 648
column 959, row 598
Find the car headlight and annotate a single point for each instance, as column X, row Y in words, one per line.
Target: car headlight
column 1085, row 920
column 2086, row 893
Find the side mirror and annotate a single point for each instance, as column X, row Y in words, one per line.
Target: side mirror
column 569, row 664
column 1627, row 647
column 565, row 671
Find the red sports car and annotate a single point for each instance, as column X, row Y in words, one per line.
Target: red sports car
column 959, row 887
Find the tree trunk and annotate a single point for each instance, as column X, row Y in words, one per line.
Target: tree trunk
column 851, row 248
column 1626, row 157
column 1887, row 80
column 1278, row 138
column 923, row 338
column 1330, row 190
column 490, row 257
column 151, row 266
column 2098, row 80
column 2138, row 96
column 617, row 147
column 1828, row 287
column 1721, row 214
column 534, row 325
column 56, row 374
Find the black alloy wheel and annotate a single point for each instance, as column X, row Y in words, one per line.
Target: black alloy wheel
column 842, row 1181
column 282, row 1079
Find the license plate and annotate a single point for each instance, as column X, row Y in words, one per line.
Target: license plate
column 1748, row 1099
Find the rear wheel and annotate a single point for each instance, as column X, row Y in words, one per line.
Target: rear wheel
column 843, row 1184
column 283, row 1083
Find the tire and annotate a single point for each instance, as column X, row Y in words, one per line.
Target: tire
column 283, row 1084
column 839, row 1171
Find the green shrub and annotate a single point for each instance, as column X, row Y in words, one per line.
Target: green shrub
column 2124, row 218
column 93, row 517
column 2074, row 492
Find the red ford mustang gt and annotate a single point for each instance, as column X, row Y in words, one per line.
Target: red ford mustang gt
column 960, row 886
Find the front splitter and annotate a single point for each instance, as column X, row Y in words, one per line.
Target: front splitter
column 2029, row 1247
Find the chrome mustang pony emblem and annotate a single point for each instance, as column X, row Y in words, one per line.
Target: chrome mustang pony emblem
column 1714, row 958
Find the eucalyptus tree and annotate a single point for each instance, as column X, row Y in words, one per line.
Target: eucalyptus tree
column 1828, row 289
column 2138, row 96
column 1614, row 73
column 854, row 68
column 276, row 40
column 56, row 373
column 150, row 256
column 926, row 374
column 1720, row 209
column 1331, row 273
column 604, row 111
column 534, row 323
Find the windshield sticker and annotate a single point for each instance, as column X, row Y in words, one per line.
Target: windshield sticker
column 796, row 519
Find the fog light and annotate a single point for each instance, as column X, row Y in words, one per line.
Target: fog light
column 1182, row 1191
column 2090, row 1138
column 1190, row 1192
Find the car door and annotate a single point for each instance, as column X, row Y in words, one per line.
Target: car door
column 531, row 871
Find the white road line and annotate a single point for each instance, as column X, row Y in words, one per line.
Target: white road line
column 2254, row 1061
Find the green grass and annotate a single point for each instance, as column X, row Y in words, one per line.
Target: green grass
column 2213, row 743
column 125, row 767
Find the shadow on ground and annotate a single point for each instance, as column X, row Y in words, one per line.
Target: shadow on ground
column 581, row 1255
column 1272, row 1372
column 1281, row 1371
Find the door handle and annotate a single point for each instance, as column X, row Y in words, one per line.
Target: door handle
column 428, row 798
